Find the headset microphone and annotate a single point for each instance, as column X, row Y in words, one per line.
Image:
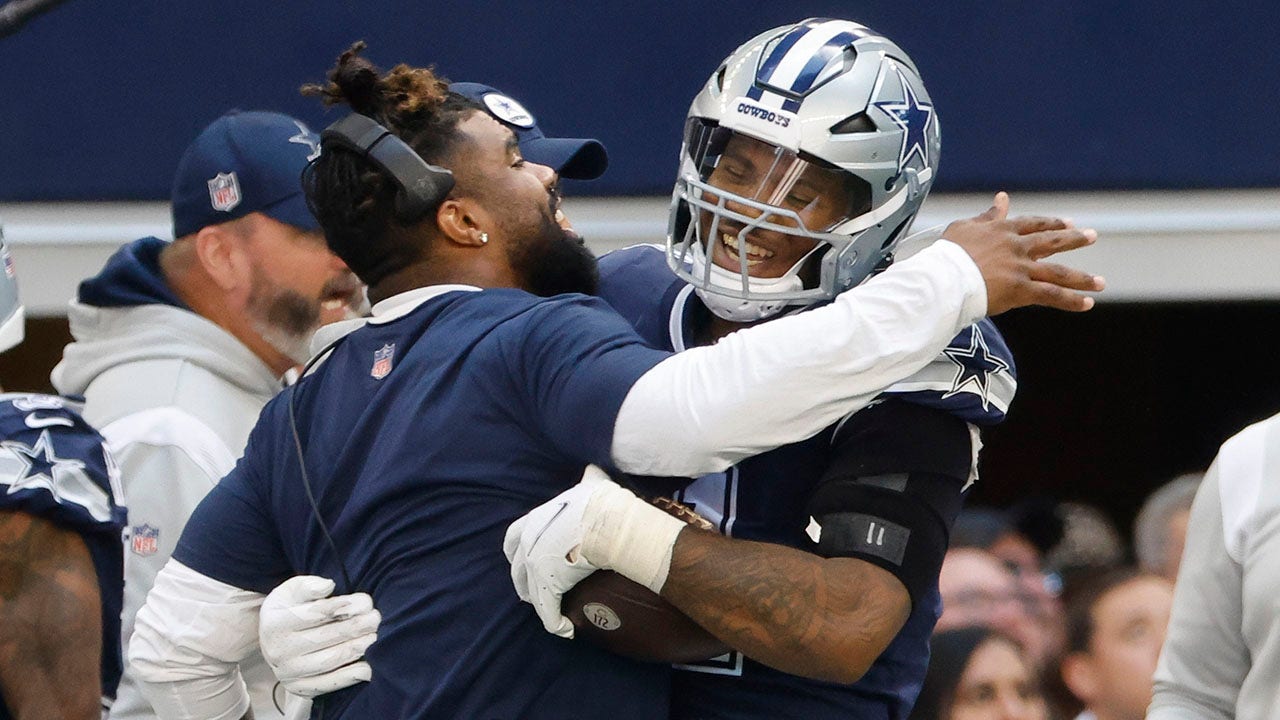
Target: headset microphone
column 302, row 464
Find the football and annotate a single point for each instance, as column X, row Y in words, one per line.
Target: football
column 629, row 619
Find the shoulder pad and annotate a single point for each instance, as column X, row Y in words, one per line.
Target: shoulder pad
column 53, row 464
column 974, row 378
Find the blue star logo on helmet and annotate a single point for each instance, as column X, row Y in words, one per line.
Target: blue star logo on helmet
column 913, row 117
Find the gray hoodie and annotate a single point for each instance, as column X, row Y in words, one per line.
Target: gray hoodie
column 175, row 396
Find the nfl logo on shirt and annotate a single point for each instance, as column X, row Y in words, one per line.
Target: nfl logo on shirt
column 382, row 361
column 146, row 540
column 224, row 191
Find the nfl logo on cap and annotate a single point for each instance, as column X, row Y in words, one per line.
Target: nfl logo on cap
column 382, row 361
column 224, row 191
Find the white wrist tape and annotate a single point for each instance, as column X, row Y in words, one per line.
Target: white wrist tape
column 629, row 536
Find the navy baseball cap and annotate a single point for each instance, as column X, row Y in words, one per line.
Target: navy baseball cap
column 244, row 162
column 574, row 158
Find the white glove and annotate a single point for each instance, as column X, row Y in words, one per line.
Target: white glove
column 594, row 525
column 312, row 641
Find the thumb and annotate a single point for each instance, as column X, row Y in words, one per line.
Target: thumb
column 563, row 628
column 1001, row 205
column 300, row 589
column 999, row 209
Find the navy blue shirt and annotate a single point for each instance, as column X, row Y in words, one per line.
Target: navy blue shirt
column 764, row 498
column 425, row 437
column 53, row 465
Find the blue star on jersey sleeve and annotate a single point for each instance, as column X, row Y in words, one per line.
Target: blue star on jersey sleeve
column 975, row 364
column 974, row 378
column 30, row 467
column 52, row 464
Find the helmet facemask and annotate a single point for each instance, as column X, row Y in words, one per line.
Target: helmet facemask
column 773, row 223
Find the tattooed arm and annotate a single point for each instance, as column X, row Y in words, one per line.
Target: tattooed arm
column 825, row 618
column 50, row 621
column 880, row 517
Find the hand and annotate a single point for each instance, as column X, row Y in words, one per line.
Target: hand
column 314, row 643
column 1008, row 252
column 544, row 546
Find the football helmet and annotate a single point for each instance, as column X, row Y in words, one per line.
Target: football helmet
column 11, row 312
column 806, row 156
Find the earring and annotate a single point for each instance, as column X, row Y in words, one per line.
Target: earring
column 484, row 238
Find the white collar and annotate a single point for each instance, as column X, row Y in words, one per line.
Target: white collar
column 397, row 306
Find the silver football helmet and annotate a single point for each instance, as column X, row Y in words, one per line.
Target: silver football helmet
column 11, row 312
column 805, row 158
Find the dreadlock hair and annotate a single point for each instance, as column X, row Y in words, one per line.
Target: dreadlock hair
column 352, row 198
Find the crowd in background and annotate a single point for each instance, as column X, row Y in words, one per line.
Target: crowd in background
column 1049, row 613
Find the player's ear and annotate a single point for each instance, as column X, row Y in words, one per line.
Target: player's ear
column 461, row 221
column 222, row 254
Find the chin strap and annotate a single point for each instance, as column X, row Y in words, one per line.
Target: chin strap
column 740, row 309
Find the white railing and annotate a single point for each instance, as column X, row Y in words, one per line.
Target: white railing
column 1156, row 246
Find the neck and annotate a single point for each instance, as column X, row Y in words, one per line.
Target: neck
column 711, row 328
column 205, row 298
column 719, row 327
column 468, row 271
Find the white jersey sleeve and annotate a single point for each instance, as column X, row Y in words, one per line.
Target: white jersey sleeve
column 707, row 408
column 190, row 637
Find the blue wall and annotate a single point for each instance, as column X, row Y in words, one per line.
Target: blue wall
column 99, row 97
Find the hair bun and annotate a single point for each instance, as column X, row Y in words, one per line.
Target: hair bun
column 358, row 81
column 354, row 81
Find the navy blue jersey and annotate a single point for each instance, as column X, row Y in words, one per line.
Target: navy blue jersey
column 54, row 465
column 764, row 498
column 425, row 437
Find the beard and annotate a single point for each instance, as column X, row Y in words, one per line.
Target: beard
column 284, row 318
column 554, row 261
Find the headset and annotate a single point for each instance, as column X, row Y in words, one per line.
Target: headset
column 423, row 186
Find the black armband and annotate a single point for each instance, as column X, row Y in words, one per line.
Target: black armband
column 893, row 490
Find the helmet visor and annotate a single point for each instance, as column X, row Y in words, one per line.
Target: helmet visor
column 762, row 210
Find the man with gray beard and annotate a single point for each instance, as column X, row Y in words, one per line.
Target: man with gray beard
column 179, row 345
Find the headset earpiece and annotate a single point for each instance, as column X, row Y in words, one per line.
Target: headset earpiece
column 422, row 186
